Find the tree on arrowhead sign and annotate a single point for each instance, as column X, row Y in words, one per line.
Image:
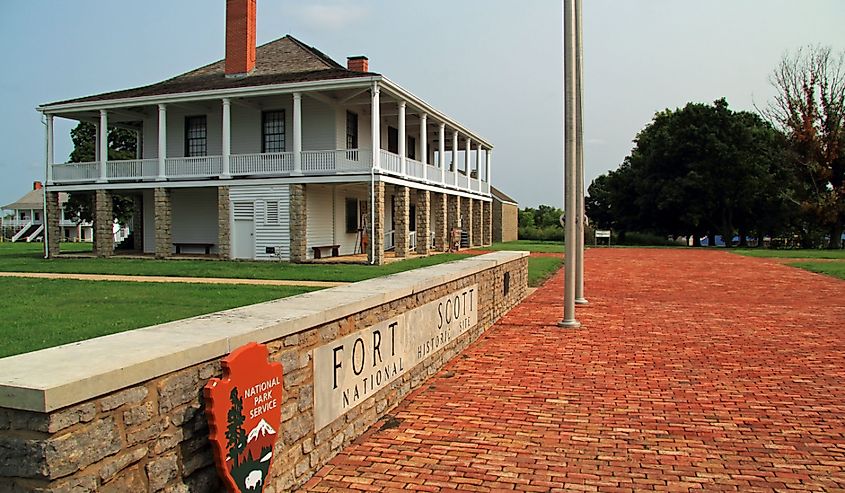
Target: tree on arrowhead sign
column 244, row 410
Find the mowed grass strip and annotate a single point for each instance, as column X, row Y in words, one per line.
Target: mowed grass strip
column 835, row 269
column 41, row 313
column 16, row 257
column 529, row 245
column 803, row 253
column 542, row 268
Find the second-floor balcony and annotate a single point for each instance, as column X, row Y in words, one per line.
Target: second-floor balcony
column 260, row 165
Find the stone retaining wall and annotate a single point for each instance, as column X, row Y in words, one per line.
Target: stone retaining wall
column 125, row 413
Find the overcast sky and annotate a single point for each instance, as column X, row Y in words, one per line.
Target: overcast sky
column 494, row 65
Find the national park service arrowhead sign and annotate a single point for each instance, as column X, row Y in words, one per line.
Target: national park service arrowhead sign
column 244, row 411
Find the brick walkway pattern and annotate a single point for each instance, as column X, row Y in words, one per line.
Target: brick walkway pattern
column 695, row 370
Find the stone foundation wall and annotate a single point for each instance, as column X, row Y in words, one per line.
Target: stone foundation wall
column 377, row 241
column 223, row 218
column 423, row 226
column 298, row 224
column 54, row 214
column 103, row 224
column 152, row 435
column 163, row 210
column 441, row 235
column 401, row 208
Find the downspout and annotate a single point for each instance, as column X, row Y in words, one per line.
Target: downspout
column 44, row 188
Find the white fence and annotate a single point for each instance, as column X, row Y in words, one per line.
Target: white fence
column 353, row 161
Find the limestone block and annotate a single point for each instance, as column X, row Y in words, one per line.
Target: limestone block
column 162, row 471
column 130, row 396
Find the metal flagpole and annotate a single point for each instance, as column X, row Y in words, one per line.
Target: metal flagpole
column 579, row 146
column 569, row 199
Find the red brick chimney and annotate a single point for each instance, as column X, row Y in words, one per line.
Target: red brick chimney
column 240, row 37
column 36, row 185
column 358, row 64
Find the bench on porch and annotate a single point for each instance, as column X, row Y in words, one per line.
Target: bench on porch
column 318, row 250
column 205, row 246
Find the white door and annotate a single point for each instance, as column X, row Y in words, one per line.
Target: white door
column 244, row 234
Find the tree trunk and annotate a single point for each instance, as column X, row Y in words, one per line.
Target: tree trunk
column 743, row 241
column 836, row 235
column 696, row 240
column 711, row 239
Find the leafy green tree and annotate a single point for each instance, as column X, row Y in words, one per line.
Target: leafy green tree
column 79, row 206
column 235, row 434
column 810, row 109
column 694, row 171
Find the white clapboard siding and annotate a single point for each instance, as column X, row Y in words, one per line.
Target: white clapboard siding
column 271, row 213
column 319, row 202
column 318, row 126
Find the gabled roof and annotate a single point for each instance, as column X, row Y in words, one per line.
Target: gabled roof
column 501, row 196
column 34, row 199
column 285, row 60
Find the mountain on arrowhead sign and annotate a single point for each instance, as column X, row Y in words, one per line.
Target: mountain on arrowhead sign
column 244, row 410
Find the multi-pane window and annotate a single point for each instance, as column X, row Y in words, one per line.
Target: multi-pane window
column 273, row 131
column 351, row 130
column 196, row 136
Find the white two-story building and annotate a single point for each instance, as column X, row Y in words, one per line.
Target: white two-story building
column 279, row 152
column 26, row 223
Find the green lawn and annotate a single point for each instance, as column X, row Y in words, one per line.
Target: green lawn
column 529, row 245
column 764, row 252
column 40, row 313
column 542, row 268
column 18, row 257
column 835, row 269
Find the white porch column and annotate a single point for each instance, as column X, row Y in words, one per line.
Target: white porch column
column 162, row 142
column 478, row 165
column 49, row 149
column 468, row 164
column 454, row 166
column 97, row 141
column 297, row 133
column 139, row 150
column 227, row 138
column 375, row 121
column 104, row 145
column 489, row 170
column 441, row 149
column 403, row 139
column 424, row 143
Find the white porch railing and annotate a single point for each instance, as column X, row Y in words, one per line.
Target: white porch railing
column 21, row 231
column 463, row 182
column 338, row 161
column 35, row 234
column 267, row 164
column 273, row 163
column 131, row 169
column 391, row 162
column 390, row 240
column 72, row 172
column 414, row 168
column 412, row 240
column 193, row 167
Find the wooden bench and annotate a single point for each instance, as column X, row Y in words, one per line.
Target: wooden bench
column 318, row 250
column 206, row 246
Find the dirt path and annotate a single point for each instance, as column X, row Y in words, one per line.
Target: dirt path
column 195, row 280
column 694, row 370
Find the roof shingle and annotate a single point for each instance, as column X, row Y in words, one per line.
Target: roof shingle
column 285, row 60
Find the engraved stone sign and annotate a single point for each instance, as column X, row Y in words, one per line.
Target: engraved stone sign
column 349, row 370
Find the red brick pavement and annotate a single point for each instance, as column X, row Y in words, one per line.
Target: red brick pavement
column 694, row 370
